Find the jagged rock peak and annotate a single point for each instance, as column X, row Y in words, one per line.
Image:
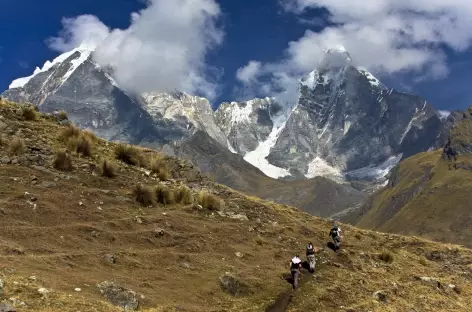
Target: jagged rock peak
column 337, row 57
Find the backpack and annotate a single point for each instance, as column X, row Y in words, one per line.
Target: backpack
column 310, row 250
column 334, row 232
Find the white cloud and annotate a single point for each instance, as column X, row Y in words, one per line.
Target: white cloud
column 249, row 73
column 164, row 48
column 384, row 36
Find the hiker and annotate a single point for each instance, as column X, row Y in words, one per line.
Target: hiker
column 335, row 234
column 295, row 270
column 310, row 256
column 450, row 153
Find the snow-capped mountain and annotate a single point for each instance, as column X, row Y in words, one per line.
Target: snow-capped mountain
column 346, row 124
column 73, row 82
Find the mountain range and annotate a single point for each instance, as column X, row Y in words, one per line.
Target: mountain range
column 346, row 130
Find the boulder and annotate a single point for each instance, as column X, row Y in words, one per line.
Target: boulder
column 380, row 296
column 119, row 296
column 5, row 307
column 234, row 286
column 110, row 258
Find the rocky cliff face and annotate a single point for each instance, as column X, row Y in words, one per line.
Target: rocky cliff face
column 345, row 125
column 73, row 82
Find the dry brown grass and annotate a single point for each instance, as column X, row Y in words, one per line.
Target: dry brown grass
column 184, row 195
column 128, row 154
column 209, row 201
column 62, row 115
column 69, row 132
column 63, row 161
column 143, row 195
column 90, row 135
column 108, row 168
column 16, row 146
column 56, row 243
column 158, row 165
column 164, row 195
column 80, row 145
column 386, row 256
column 29, row 112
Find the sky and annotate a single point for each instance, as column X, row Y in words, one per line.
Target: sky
column 233, row 50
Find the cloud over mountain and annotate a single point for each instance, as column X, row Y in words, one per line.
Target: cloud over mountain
column 385, row 36
column 163, row 49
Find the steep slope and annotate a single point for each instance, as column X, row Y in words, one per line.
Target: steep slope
column 428, row 195
column 318, row 196
column 76, row 240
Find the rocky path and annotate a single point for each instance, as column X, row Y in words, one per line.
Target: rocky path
column 285, row 298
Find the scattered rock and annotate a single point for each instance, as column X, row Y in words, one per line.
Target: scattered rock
column 159, row 232
column 95, row 234
column 119, row 296
column 48, row 185
column 239, row 255
column 5, row 307
column 77, row 289
column 434, row 256
column 429, row 280
column 43, row 292
column 3, row 126
column 233, row 215
column 123, row 199
column 233, row 286
column 14, row 161
column 1, row 288
column 32, row 278
column 110, row 258
column 456, row 289
column 380, row 296
column 5, row 160
column 81, row 204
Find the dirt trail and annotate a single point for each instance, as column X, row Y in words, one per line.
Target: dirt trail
column 283, row 301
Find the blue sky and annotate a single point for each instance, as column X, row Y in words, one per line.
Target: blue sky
column 261, row 31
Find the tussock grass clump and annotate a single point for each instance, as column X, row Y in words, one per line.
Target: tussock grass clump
column 29, row 112
column 127, row 154
column 164, row 195
column 259, row 240
column 143, row 195
column 62, row 115
column 16, row 146
column 386, row 256
column 423, row 261
column 68, row 133
column 80, row 145
column 63, row 161
column 108, row 169
column 158, row 165
column 358, row 236
column 90, row 135
column 209, row 201
column 184, row 195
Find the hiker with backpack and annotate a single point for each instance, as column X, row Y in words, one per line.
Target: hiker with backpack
column 295, row 270
column 310, row 256
column 335, row 234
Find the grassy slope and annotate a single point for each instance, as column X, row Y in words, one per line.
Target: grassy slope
column 63, row 243
column 430, row 199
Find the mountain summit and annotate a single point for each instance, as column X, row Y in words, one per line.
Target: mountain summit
column 345, row 124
